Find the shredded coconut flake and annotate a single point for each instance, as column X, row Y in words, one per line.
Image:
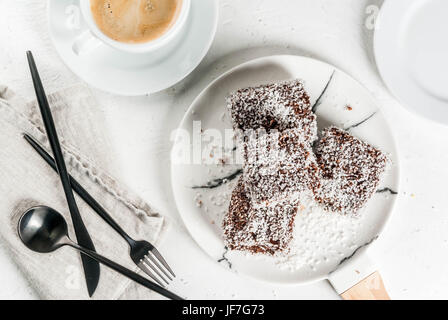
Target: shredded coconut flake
column 277, row 164
column 266, row 228
column 282, row 175
column 350, row 169
column 284, row 105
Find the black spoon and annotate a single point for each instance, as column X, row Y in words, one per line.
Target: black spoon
column 43, row 229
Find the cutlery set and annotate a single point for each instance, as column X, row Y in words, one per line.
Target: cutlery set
column 42, row 229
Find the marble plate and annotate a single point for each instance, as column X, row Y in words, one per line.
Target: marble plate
column 202, row 183
column 130, row 74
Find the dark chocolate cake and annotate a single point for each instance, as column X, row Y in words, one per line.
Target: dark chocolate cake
column 276, row 164
column 350, row 169
column 266, row 228
column 276, row 129
column 279, row 106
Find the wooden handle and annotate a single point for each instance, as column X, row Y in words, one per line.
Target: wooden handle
column 370, row 288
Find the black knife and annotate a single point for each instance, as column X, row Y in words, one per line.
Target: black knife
column 91, row 267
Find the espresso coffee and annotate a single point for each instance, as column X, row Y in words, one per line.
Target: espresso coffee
column 135, row 21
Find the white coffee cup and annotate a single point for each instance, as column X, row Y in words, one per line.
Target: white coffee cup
column 93, row 37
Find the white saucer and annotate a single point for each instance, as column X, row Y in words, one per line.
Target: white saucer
column 132, row 74
column 412, row 54
column 325, row 239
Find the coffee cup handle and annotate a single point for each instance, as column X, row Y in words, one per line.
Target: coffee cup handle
column 85, row 43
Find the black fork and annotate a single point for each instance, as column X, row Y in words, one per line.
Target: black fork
column 143, row 253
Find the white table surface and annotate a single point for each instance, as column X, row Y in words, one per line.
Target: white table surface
column 413, row 250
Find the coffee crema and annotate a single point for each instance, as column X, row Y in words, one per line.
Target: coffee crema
column 135, row 21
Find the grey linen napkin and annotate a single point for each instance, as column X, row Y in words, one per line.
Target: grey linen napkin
column 26, row 180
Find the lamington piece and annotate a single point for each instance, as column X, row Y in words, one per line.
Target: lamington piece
column 280, row 106
column 277, row 164
column 263, row 229
column 351, row 171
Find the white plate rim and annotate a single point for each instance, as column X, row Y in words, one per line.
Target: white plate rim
column 384, row 38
